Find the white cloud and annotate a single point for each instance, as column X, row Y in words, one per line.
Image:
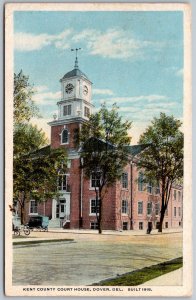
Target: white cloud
column 40, row 88
column 46, row 98
column 113, row 43
column 136, row 130
column 160, row 105
column 103, row 92
column 30, row 42
column 42, row 124
column 132, row 99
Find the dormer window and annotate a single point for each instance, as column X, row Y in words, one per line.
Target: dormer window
column 65, row 137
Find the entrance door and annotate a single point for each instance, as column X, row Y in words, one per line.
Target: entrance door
column 62, row 209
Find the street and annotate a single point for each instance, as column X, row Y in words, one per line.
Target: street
column 90, row 257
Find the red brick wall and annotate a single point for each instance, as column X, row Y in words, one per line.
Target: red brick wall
column 56, row 138
column 145, row 197
column 75, row 193
column 44, row 209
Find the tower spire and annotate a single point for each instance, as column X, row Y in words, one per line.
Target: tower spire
column 76, row 60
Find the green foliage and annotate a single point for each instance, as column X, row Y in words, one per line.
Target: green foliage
column 104, row 154
column 142, row 275
column 104, row 138
column 24, row 106
column 162, row 160
column 27, row 139
column 164, row 157
column 35, row 167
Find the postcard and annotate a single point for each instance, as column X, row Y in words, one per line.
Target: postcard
column 98, row 149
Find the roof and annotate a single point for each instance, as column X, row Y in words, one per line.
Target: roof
column 96, row 143
column 75, row 72
column 136, row 149
column 43, row 151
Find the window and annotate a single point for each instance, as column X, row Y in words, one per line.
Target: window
column 179, row 196
column 157, row 209
column 124, row 180
column 33, row 207
column 125, row 226
column 94, row 206
column 140, row 207
column 94, row 225
column 62, row 182
column 174, row 211
column 86, row 111
column 166, row 212
column 180, row 223
column 174, row 194
column 179, row 211
column 67, row 110
column 149, row 187
column 157, row 189
column 124, row 207
column 149, row 208
column 95, row 179
column 64, row 136
column 166, row 224
column 141, row 182
column 140, row 225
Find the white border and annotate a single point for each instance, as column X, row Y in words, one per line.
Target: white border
column 184, row 290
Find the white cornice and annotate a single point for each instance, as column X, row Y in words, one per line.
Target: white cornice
column 67, row 121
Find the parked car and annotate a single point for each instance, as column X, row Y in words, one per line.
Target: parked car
column 38, row 222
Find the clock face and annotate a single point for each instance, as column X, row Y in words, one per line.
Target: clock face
column 85, row 90
column 69, row 88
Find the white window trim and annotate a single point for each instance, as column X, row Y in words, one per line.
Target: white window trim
column 65, row 191
column 65, row 106
column 125, row 188
column 158, row 209
column 140, row 174
column 127, row 207
column 92, row 188
column 90, row 213
column 30, row 213
column 61, row 136
column 140, row 214
column 147, row 209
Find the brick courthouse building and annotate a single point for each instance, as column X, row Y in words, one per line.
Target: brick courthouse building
column 128, row 204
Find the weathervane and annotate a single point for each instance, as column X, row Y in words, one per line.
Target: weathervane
column 76, row 61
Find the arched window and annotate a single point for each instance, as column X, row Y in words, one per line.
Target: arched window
column 64, row 137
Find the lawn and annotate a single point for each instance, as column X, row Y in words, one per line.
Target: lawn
column 142, row 275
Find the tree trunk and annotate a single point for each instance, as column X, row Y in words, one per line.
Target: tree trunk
column 22, row 214
column 161, row 220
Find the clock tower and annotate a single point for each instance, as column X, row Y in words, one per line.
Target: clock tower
column 74, row 107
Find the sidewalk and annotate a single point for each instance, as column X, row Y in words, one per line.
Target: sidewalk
column 174, row 278
column 67, row 234
column 115, row 232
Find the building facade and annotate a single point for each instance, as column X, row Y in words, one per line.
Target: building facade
column 128, row 204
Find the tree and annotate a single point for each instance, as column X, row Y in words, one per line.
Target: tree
column 24, row 106
column 35, row 169
column 162, row 160
column 104, row 154
column 35, row 165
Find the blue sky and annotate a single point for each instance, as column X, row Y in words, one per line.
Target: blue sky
column 133, row 58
